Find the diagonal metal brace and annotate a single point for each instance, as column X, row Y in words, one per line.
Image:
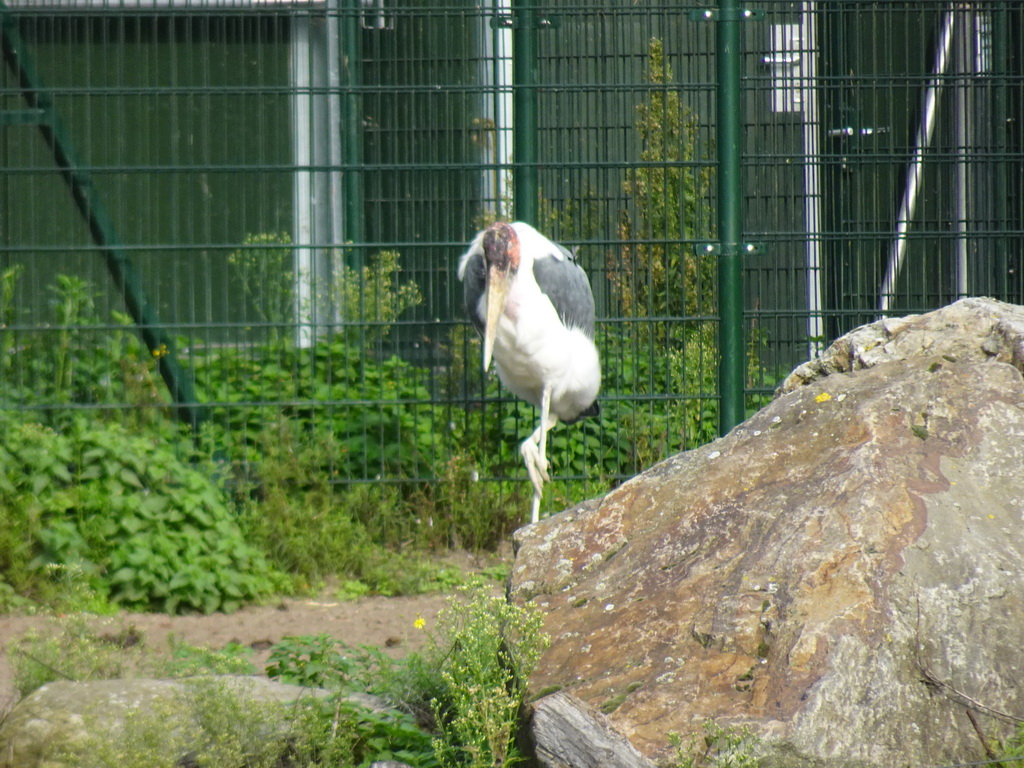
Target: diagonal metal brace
column 90, row 205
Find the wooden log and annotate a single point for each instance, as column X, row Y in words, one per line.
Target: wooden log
column 567, row 733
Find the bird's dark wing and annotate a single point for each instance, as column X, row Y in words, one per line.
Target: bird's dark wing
column 565, row 283
column 474, row 283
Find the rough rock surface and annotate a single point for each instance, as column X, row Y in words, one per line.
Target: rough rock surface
column 842, row 572
column 60, row 715
column 566, row 732
column 971, row 330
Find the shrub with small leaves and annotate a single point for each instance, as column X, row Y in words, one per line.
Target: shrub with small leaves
column 475, row 671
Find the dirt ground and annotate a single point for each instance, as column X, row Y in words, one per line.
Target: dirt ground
column 386, row 622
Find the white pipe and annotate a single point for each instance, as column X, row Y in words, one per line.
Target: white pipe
column 334, row 227
column 922, row 141
column 302, row 109
column 812, row 176
column 497, row 111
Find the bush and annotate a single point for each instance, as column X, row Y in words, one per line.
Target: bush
column 145, row 529
column 466, row 687
column 474, row 673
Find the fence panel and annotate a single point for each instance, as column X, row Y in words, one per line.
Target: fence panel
column 294, row 182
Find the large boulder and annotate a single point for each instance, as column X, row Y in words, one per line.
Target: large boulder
column 50, row 726
column 841, row 573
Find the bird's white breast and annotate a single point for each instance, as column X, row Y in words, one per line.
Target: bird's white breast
column 533, row 347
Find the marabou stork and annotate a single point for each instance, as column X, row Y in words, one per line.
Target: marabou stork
column 532, row 304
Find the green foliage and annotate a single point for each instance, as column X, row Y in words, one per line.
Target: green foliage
column 341, row 732
column 470, row 678
column 213, row 724
column 372, row 298
column 265, row 267
column 368, row 535
column 716, row 747
column 313, row 661
column 669, row 352
column 468, row 512
column 8, row 314
column 1010, row 753
column 78, row 646
column 146, row 529
column 665, row 276
column 73, row 307
column 187, row 660
column 71, row 650
column 73, row 362
column 376, row 417
column 475, row 671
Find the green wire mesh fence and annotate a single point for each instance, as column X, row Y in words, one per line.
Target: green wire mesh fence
column 246, row 216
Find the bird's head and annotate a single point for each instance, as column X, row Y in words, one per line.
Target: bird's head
column 501, row 258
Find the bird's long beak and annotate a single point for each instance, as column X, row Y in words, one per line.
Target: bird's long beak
column 497, row 294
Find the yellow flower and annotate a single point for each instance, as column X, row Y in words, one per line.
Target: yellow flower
column 420, row 622
column 823, row 397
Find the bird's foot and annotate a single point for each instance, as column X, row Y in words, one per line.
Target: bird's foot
column 536, row 465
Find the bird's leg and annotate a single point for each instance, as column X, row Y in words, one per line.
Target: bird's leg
column 546, row 423
column 533, row 450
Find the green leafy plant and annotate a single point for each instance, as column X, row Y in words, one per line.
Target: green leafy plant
column 147, row 530
column 467, row 511
column 74, row 308
column 8, row 314
column 715, row 747
column 265, row 268
column 662, row 274
column 1009, row 753
column 474, row 671
column 314, row 661
column 75, row 360
column 467, row 684
column 70, row 648
column 372, row 297
column 187, row 660
column 341, row 731
column 663, row 282
column 314, row 529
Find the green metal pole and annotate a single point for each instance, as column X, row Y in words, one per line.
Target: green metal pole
column 101, row 226
column 730, row 217
column 524, row 105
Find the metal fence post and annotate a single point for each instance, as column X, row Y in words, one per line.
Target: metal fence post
column 524, row 105
column 730, row 248
column 730, row 222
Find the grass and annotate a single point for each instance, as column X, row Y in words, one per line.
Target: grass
column 454, row 704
